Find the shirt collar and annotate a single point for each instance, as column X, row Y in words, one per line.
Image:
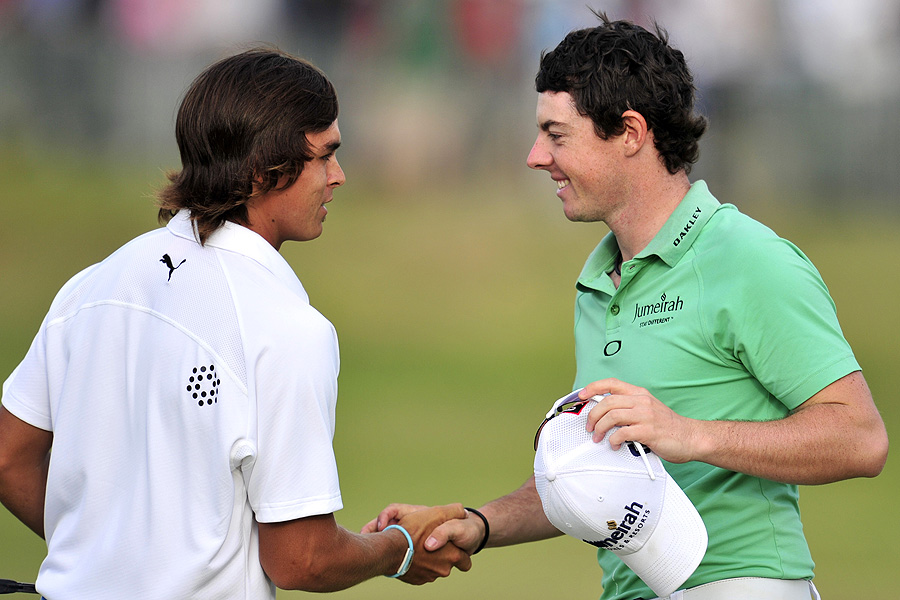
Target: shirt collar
column 671, row 242
column 683, row 226
column 236, row 238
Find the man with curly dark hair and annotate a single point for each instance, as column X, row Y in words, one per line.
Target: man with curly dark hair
column 712, row 342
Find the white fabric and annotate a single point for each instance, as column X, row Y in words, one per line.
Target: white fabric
column 185, row 395
column 749, row 588
column 619, row 500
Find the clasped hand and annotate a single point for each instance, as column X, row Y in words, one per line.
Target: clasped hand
column 430, row 561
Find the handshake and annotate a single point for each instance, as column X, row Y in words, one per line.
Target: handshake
column 440, row 538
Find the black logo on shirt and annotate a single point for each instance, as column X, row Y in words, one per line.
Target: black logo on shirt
column 166, row 260
column 659, row 311
column 203, row 385
column 687, row 227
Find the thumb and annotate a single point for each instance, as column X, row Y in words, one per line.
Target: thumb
column 439, row 537
column 370, row 527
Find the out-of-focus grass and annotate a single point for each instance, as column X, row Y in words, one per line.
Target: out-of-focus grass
column 453, row 310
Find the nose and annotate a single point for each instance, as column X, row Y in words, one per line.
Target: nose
column 336, row 177
column 538, row 158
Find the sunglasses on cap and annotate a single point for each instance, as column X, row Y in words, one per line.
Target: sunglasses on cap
column 570, row 403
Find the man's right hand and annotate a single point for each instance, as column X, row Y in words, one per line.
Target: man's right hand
column 429, row 564
column 464, row 531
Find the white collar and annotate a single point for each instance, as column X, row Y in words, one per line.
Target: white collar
column 236, row 238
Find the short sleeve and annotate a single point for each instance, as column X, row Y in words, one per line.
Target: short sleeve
column 295, row 474
column 785, row 329
column 27, row 391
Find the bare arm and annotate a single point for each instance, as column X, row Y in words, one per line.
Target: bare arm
column 836, row 434
column 24, row 459
column 316, row 554
column 515, row 518
column 518, row 517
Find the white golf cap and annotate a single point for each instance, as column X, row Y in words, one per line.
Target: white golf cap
column 622, row 500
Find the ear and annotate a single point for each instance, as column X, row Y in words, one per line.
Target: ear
column 636, row 132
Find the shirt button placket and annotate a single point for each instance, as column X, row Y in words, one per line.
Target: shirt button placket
column 612, row 314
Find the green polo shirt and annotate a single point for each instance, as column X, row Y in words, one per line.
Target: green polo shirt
column 720, row 319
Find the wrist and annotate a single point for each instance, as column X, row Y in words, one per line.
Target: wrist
column 408, row 556
column 487, row 529
column 703, row 442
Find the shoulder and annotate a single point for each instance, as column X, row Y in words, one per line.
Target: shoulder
column 277, row 311
column 735, row 247
column 121, row 262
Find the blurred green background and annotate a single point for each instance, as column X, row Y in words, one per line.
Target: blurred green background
column 453, row 311
column 446, row 265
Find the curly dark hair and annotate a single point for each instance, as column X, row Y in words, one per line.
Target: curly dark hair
column 618, row 66
column 241, row 132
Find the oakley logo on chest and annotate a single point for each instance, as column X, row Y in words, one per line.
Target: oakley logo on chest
column 166, row 260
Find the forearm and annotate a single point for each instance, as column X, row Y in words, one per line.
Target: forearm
column 325, row 557
column 315, row 554
column 812, row 446
column 356, row 558
column 22, row 493
column 24, row 461
column 836, row 434
column 518, row 518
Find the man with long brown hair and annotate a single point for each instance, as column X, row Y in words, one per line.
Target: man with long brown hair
column 169, row 432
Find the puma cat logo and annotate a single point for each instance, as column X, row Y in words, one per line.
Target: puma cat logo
column 166, row 260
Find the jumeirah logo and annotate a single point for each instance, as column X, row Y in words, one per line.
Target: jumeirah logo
column 658, row 311
column 629, row 526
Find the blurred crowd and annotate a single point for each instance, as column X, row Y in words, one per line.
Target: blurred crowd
column 799, row 92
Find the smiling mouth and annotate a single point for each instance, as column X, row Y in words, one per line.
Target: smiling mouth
column 562, row 183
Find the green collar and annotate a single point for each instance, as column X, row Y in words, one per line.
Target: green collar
column 669, row 244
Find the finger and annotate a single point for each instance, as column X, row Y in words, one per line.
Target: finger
column 610, row 387
column 452, row 511
column 600, row 387
column 607, row 414
column 465, row 561
column 619, row 437
column 436, row 515
column 595, row 415
column 370, row 527
column 605, row 424
column 393, row 513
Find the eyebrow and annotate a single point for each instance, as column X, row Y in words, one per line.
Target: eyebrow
column 331, row 147
column 548, row 124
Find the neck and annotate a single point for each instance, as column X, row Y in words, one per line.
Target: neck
column 645, row 213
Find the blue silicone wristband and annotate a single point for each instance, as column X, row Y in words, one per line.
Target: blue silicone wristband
column 407, row 558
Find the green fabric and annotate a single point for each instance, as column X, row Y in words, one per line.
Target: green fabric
column 720, row 319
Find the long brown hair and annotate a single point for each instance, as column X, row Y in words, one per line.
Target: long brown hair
column 241, row 128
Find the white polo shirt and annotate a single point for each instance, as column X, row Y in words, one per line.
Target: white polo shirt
column 188, row 388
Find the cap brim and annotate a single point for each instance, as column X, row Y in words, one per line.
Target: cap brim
column 675, row 549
